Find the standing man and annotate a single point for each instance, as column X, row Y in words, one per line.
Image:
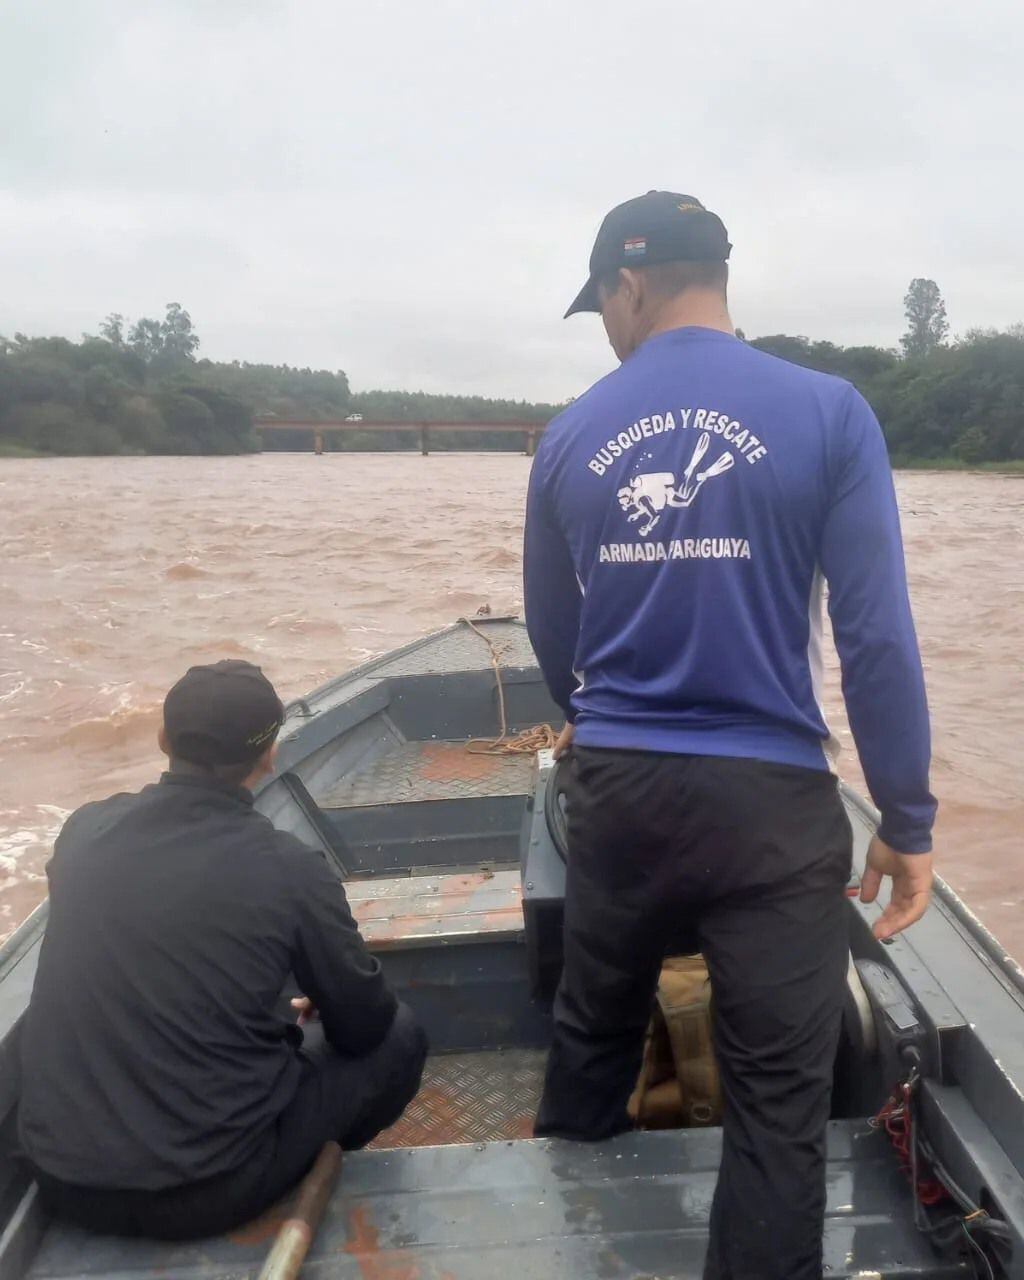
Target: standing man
column 164, row 1093
column 683, row 515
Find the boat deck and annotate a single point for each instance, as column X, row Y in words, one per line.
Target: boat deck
column 634, row 1207
column 471, row 1097
column 414, row 772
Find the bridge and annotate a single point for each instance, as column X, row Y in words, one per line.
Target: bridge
column 319, row 429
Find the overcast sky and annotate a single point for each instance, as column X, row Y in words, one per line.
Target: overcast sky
column 409, row 191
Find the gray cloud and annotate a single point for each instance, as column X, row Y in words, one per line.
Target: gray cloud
column 409, row 191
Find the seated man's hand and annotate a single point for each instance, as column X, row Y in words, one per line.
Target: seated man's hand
column 305, row 1009
column 911, row 887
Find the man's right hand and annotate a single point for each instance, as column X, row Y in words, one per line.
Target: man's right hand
column 911, row 886
column 306, row 1010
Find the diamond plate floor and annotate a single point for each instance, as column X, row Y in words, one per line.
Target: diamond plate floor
column 464, row 650
column 471, row 1097
column 431, row 771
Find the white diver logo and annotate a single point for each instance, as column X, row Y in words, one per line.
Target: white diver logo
column 647, row 496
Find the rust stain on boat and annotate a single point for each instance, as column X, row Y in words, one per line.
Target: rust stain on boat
column 448, row 762
column 375, row 1263
column 434, row 1118
column 469, row 903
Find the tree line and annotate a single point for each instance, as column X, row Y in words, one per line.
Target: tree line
column 143, row 388
column 124, row 390
column 937, row 400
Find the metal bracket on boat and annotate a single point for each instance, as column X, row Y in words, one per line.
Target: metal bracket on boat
column 888, row 995
column 900, row 1033
column 330, row 840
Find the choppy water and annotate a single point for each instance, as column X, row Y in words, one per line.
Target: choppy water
column 116, row 574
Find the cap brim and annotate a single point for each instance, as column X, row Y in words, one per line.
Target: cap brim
column 585, row 300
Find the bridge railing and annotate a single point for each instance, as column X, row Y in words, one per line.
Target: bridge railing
column 320, row 429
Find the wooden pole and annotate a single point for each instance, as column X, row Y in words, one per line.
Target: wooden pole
column 289, row 1250
column 531, row 443
column 318, row 442
column 424, row 441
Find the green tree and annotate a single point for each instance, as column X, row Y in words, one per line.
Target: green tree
column 973, row 446
column 141, row 425
column 112, row 329
column 53, row 427
column 146, row 339
column 927, row 327
column 180, row 341
column 796, row 349
column 232, row 418
column 119, row 393
column 166, row 345
column 191, row 425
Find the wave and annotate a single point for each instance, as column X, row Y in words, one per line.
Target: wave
column 183, row 572
column 128, row 726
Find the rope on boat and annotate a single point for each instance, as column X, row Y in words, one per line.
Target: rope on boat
column 897, row 1118
column 964, row 1223
column 541, row 737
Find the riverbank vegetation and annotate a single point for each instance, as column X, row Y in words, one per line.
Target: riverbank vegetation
column 959, row 405
column 144, row 388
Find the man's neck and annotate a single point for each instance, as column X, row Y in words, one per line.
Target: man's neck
column 696, row 308
column 186, row 769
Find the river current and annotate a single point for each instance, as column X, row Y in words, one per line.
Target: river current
column 118, row 573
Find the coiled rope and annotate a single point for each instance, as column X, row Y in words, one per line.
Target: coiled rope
column 541, row 737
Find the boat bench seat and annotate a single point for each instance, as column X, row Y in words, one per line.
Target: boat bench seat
column 427, row 805
column 633, row 1207
column 478, row 906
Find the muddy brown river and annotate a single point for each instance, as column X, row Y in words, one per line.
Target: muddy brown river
column 118, row 573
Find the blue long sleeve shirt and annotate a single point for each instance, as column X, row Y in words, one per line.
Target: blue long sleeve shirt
column 683, row 517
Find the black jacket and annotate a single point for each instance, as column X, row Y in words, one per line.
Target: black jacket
column 153, row 1053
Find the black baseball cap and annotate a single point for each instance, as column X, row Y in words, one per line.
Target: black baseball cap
column 662, row 226
column 224, row 713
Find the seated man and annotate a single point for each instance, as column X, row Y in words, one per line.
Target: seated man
column 163, row 1092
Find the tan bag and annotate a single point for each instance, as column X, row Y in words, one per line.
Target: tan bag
column 679, row 1086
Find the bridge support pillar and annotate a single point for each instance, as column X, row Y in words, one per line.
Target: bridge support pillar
column 318, row 442
column 424, row 441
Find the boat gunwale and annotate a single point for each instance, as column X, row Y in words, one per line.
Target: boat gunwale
column 987, row 943
column 303, row 709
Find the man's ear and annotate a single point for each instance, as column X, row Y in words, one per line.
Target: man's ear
column 161, row 741
column 632, row 286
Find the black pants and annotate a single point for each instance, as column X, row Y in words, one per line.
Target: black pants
column 348, row 1099
column 749, row 860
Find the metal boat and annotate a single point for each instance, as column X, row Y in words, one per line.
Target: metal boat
column 453, row 860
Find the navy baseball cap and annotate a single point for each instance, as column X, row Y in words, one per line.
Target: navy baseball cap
column 662, row 226
column 224, row 713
